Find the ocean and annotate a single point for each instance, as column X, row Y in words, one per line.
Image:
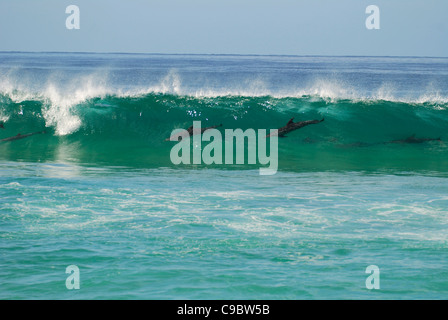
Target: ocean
column 95, row 186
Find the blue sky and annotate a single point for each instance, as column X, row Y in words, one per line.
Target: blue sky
column 296, row 27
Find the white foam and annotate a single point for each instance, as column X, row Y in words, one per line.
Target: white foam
column 58, row 111
column 385, row 92
column 3, row 117
column 61, row 98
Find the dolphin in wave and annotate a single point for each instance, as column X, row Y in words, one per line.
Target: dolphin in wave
column 291, row 126
column 413, row 139
column 21, row 136
column 409, row 140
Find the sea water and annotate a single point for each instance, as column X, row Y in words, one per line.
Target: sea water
column 98, row 189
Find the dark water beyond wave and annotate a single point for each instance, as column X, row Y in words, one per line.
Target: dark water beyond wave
column 130, row 130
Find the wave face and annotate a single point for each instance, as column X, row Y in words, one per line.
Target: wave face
column 118, row 130
column 89, row 118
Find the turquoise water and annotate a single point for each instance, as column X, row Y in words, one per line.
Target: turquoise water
column 98, row 190
column 213, row 234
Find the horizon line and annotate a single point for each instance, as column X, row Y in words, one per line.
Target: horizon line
column 225, row 54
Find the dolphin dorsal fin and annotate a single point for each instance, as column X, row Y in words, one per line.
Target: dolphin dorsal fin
column 290, row 121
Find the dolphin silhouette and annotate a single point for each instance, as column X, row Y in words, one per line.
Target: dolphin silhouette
column 21, row 136
column 2, row 125
column 413, row 139
column 190, row 131
column 291, row 126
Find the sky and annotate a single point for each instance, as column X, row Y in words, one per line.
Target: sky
column 283, row 27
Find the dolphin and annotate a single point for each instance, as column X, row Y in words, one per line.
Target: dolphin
column 413, row 139
column 190, row 131
column 21, row 136
column 410, row 140
column 291, row 126
column 2, row 125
